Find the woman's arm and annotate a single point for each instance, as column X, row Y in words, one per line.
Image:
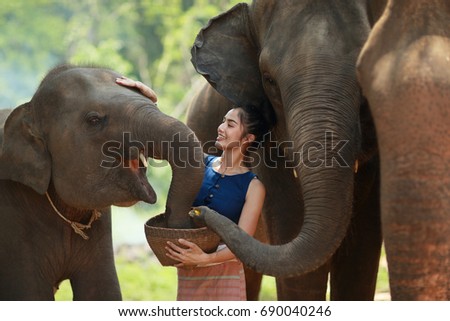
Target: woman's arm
column 253, row 205
column 192, row 255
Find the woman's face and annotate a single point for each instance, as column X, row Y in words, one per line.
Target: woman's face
column 231, row 131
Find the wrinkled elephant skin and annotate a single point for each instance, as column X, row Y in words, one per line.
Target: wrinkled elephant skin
column 406, row 78
column 79, row 146
column 299, row 57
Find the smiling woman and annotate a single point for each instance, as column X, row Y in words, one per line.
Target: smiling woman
column 232, row 190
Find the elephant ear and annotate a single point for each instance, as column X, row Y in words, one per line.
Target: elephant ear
column 224, row 53
column 24, row 157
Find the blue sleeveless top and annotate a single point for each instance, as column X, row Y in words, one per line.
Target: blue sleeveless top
column 224, row 194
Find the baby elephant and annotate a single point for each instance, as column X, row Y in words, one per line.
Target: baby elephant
column 77, row 147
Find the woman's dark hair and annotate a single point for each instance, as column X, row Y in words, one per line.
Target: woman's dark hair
column 257, row 120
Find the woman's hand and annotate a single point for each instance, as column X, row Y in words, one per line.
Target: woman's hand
column 189, row 256
column 146, row 90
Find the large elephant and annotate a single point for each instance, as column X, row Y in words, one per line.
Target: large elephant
column 76, row 148
column 299, row 57
column 406, row 78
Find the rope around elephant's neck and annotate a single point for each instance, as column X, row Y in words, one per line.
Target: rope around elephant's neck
column 77, row 227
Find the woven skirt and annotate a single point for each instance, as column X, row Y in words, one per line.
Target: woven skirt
column 220, row 282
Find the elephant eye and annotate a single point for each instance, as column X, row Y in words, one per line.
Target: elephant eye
column 268, row 79
column 94, row 119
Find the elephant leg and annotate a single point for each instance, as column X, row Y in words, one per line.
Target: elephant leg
column 309, row 287
column 253, row 282
column 25, row 287
column 94, row 285
column 355, row 265
column 97, row 279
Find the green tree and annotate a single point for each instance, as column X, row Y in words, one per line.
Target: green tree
column 29, row 44
column 149, row 40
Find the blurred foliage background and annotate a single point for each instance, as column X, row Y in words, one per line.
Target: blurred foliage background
column 148, row 40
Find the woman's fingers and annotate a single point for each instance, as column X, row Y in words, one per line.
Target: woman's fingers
column 146, row 90
column 177, row 253
column 176, row 248
column 187, row 243
column 174, row 255
column 189, row 255
column 125, row 81
column 194, row 248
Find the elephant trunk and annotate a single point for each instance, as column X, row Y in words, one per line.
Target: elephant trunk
column 325, row 129
column 169, row 139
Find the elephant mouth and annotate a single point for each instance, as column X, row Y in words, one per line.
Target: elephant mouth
column 140, row 189
column 137, row 163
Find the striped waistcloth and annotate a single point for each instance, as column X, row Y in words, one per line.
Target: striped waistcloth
column 220, row 282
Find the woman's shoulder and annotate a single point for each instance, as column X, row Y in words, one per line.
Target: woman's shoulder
column 209, row 159
column 253, row 182
column 256, row 183
column 256, row 189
